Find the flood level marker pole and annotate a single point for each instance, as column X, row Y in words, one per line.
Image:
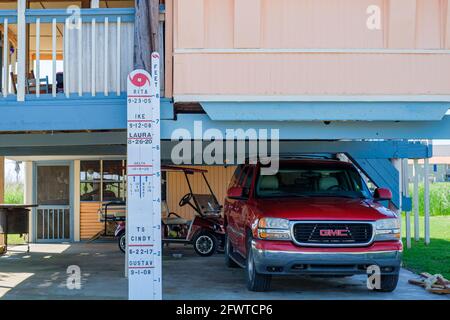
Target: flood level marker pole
column 144, row 184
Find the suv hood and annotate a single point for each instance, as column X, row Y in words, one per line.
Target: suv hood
column 323, row 208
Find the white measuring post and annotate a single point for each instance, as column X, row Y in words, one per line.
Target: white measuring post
column 144, row 185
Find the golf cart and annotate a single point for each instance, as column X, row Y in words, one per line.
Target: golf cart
column 205, row 231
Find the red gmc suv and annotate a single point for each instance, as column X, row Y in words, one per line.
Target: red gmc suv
column 314, row 217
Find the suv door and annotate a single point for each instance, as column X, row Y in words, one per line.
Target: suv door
column 229, row 206
column 240, row 208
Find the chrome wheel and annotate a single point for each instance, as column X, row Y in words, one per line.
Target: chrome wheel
column 204, row 244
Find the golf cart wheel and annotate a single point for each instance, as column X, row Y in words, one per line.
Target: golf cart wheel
column 388, row 283
column 205, row 244
column 230, row 263
column 255, row 281
column 122, row 241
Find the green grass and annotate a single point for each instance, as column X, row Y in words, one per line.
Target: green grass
column 439, row 198
column 15, row 239
column 14, row 195
column 434, row 258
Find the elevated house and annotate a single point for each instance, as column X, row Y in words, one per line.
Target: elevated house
column 369, row 79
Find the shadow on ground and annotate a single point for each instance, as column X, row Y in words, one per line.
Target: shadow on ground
column 41, row 274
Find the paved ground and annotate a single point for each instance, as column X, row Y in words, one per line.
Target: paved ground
column 41, row 274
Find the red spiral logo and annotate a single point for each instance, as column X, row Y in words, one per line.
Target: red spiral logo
column 139, row 80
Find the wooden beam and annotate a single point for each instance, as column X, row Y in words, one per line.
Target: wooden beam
column 85, row 4
column 154, row 24
column 142, row 38
column 48, row 56
column 168, row 52
column 146, row 24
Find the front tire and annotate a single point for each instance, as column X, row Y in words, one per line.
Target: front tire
column 255, row 281
column 122, row 242
column 205, row 244
column 388, row 283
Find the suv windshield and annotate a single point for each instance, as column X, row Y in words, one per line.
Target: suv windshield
column 312, row 181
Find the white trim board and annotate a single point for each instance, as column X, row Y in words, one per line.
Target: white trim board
column 307, row 51
column 308, row 98
column 28, row 196
column 76, row 201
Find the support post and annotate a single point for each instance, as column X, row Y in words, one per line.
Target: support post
column 28, row 196
column 146, row 39
column 2, row 198
column 416, row 200
column 397, row 163
column 21, row 51
column 154, row 24
column 426, row 192
column 405, row 180
column 76, row 201
column 95, row 4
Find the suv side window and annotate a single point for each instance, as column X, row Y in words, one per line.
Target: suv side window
column 243, row 176
column 235, row 178
column 248, row 183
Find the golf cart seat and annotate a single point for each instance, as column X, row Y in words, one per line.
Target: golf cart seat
column 174, row 220
column 171, row 218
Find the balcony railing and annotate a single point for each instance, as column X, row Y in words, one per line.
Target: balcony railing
column 8, row 21
column 71, row 53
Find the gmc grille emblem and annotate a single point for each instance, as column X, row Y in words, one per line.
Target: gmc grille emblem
column 334, row 233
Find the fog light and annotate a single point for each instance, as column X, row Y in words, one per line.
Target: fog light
column 275, row 269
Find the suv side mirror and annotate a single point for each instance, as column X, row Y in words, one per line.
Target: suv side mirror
column 235, row 192
column 382, row 194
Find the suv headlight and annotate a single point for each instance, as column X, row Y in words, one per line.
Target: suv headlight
column 274, row 229
column 387, row 229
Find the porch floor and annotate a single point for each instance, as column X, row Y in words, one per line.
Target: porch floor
column 41, row 274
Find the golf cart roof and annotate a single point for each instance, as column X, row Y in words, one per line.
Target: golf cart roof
column 182, row 169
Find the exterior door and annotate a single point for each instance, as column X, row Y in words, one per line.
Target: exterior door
column 53, row 216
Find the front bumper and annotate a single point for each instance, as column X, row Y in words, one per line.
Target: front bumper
column 325, row 262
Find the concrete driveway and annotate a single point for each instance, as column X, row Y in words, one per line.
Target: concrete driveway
column 41, row 274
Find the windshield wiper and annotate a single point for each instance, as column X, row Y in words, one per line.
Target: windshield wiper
column 285, row 195
column 334, row 196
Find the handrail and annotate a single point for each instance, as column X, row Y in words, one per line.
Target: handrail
column 47, row 15
column 11, row 15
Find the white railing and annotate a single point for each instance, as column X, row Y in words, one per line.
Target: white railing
column 87, row 52
column 96, row 48
column 7, row 19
